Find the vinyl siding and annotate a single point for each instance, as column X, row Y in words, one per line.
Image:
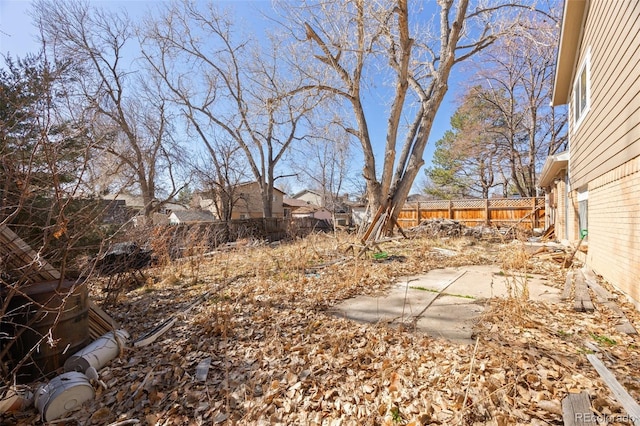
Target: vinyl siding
column 605, row 146
column 609, row 135
column 311, row 198
column 250, row 203
column 614, row 227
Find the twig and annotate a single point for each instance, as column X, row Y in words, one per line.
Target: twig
column 65, row 420
column 473, row 360
column 125, row 422
column 512, row 227
column 440, row 293
column 144, row 382
column 404, row 302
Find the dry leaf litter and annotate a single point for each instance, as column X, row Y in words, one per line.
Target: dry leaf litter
column 278, row 357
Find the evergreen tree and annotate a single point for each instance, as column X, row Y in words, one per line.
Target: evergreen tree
column 466, row 161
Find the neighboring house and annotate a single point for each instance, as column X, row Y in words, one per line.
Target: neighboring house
column 291, row 205
column 310, row 197
column 204, row 201
column 360, row 214
column 299, row 209
column 339, row 207
column 182, row 217
column 248, row 204
column 114, row 212
column 595, row 187
column 319, row 213
column 135, row 203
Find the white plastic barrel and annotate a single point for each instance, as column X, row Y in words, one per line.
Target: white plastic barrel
column 98, row 353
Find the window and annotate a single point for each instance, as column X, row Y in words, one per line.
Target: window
column 581, row 96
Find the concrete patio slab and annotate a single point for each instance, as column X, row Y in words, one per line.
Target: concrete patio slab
column 444, row 302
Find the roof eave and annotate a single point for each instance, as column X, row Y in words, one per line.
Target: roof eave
column 552, row 168
column 572, row 21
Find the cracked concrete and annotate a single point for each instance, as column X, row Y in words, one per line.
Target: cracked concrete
column 444, row 302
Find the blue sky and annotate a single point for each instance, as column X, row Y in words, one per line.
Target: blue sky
column 18, row 37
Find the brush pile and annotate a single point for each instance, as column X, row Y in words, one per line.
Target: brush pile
column 449, row 228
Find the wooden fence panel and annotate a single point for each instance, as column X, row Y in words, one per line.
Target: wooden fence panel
column 500, row 212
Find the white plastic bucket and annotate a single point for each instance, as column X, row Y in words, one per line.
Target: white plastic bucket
column 64, row 393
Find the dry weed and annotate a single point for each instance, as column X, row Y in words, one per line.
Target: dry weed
column 277, row 356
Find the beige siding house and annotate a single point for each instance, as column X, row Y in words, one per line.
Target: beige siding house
column 310, row 197
column 597, row 188
column 248, row 202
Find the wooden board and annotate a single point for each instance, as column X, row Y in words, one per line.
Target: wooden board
column 19, row 256
column 100, row 323
column 576, row 410
column 568, row 284
column 582, row 299
column 602, row 294
column 619, row 392
column 607, row 299
column 626, row 327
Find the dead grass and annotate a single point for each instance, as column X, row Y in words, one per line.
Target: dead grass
column 278, row 357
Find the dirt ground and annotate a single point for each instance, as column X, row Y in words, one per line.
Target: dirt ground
column 279, row 357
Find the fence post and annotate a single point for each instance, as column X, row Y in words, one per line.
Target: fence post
column 486, row 212
column 418, row 214
column 534, row 215
column 450, row 209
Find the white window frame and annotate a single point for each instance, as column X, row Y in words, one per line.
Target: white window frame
column 582, row 91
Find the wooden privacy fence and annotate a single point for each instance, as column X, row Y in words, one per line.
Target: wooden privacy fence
column 499, row 212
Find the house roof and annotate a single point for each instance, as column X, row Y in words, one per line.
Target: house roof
column 570, row 36
column 136, row 201
column 292, row 202
column 308, row 209
column 314, row 211
column 305, row 191
column 413, row 198
column 194, row 216
column 552, row 167
column 253, row 182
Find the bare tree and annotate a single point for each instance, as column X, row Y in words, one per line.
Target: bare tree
column 220, row 174
column 353, row 45
column 130, row 123
column 517, row 79
column 230, row 83
column 504, row 128
column 324, row 163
